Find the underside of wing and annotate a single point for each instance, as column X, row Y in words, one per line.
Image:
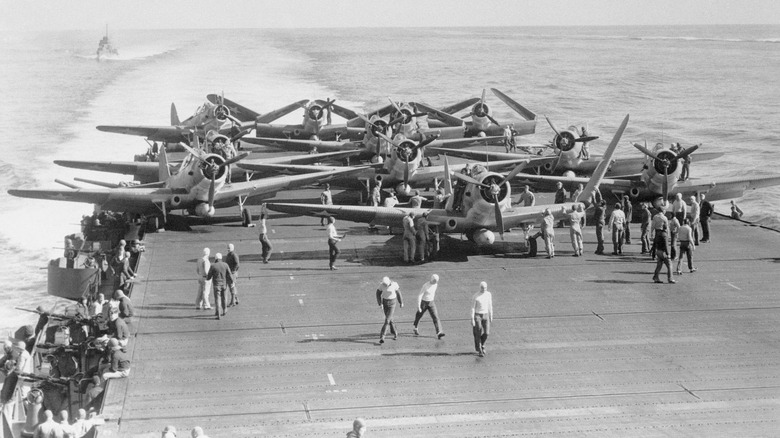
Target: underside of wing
column 143, row 171
column 170, row 134
column 240, row 112
column 124, row 199
column 281, row 112
column 387, row 216
column 727, row 188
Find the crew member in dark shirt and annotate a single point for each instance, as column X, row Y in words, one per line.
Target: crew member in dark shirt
column 220, row 276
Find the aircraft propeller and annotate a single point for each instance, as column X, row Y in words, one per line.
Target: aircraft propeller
column 567, row 138
column 405, row 153
column 405, row 116
column 665, row 163
column 494, row 189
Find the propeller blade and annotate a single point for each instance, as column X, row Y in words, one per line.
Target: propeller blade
column 395, row 105
column 549, row 122
column 211, row 192
column 406, row 172
column 447, row 180
column 646, row 151
column 519, row 168
column 482, row 100
column 687, row 152
column 499, row 217
column 240, row 134
column 492, row 120
column 427, row 141
column 469, row 179
column 398, row 119
column 586, row 139
column 666, row 182
column 235, row 159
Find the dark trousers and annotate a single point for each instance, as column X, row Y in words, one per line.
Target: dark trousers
column 705, row 228
column 233, row 290
column 388, row 306
column 430, row 307
column 333, row 251
column 645, row 238
column 219, row 299
column 481, row 330
column 267, row 247
column 663, row 259
column 673, row 246
column 600, row 238
column 627, row 230
column 687, row 250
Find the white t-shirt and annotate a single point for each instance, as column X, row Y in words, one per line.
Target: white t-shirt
column 428, row 291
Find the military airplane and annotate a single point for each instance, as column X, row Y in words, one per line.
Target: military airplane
column 198, row 187
column 208, row 117
column 486, row 204
column 658, row 180
column 148, row 172
column 484, row 124
column 403, row 169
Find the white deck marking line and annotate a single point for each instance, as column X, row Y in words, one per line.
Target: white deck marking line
column 330, row 379
column 733, row 286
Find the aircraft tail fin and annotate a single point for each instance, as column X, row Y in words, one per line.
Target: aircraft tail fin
column 163, row 171
column 174, row 115
column 519, row 109
column 587, row 193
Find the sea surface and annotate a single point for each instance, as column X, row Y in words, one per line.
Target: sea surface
column 715, row 85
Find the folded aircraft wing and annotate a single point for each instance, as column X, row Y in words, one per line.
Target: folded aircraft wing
column 727, row 188
column 343, row 112
column 454, row 108
column 441, row 115
column 304, row 145
column 477, row 155
column 136, row 200
column 272, row 185
column 168, row 134
column 281, row 112
column 144, row 171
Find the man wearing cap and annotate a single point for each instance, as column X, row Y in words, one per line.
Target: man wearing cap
column 481, row 317
column 118, row 328
column 628, row 211
column 421, row 236
column 265, row 243
column 120, row 362
column 204, row 286
column 169, row 432
column 197, row 432
column 617, row 221
column 219, row 274
column 387, row 294
column 695, row 212
column 600, row 219
column 425, row 303
column 358, row 429
column 232, row 261
column 548, row 232
column 705, row 212
column 333, row 240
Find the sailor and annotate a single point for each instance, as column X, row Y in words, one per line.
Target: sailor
column 433, row 241
column 584, row 153
column 409, row 237
column 508, row 138
column 439, row 199
column 548, row 232
column 358, row 429
column 575, row 229
column 233, row 261
column 599, row 218
column 527, row 198
column 695, row 213
column 204, row 285
column 49, row 427
column 661, row 245
column 659, row 224
column 119, row 366
column 333, row 240
column 220, row 276
column 197, row 432
column 628, row 210
column 416, row 200
column 617, row 222
column 705, row 213
column 736, row 212
column 376, row 196
column 387, row 294
column 481, row 317
column 425, row 303
column 686, row 236
column 646, row 218
column 326, row 198
column 561, row 195
column 421, row 236
column 263, row 237
column 679, row 207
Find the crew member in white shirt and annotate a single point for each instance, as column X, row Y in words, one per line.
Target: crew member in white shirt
column 481, row 317
column 425, row 303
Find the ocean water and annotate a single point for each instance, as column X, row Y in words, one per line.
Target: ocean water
column 714, row 85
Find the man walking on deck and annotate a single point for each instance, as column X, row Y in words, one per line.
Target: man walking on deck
column 220, row 275
column 481, row 317
column 232, row 260
column 425, row 304
column 387, row 294
column 326, row 198
column 705, row 213
column 204, row 286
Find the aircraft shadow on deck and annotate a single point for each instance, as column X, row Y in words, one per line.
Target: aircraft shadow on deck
column 389, row 252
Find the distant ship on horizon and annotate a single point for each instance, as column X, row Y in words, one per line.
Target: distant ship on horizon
column 105, row 49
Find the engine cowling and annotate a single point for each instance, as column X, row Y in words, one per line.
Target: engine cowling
column 403, row 189
column 221, row 112
column 658, row 165
column 480, row 109
column 565, row 141
column 176, row 201
column 203, row 210
column 484, row 237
